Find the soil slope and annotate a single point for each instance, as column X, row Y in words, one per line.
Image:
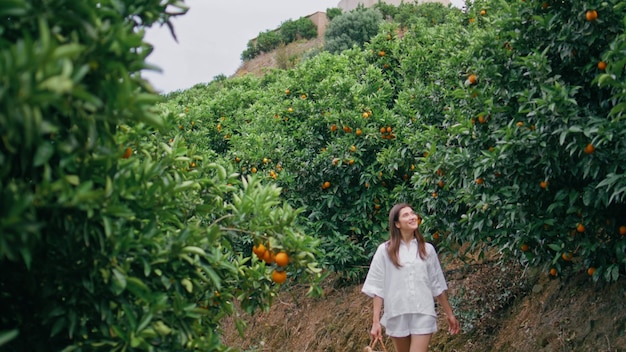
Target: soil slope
column 501, row 308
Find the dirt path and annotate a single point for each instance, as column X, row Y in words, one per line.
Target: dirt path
column 501, row 308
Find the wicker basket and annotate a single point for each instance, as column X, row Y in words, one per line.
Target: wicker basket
column 372, row 346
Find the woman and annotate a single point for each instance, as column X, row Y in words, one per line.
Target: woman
column 405, row 274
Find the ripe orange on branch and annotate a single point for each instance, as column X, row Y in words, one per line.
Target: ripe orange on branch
column 279, row 276
column 591, row 15
column 281, row 259
column 127, row 153
column 601, row 65
column 567, row 256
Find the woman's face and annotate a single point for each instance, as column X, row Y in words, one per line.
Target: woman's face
column 407, row 220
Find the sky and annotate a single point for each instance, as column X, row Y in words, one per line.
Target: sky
column 213, row 34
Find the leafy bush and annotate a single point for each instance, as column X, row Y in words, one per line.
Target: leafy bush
column 114, row 238
column 303, row 28
column 267, row 41
column 353, row 28
column 333, row 12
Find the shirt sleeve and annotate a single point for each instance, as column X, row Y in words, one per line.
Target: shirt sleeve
column 435, row 273
column 375, row 280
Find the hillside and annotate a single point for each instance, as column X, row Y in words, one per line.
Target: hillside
column 501, row 308
column 286, row 56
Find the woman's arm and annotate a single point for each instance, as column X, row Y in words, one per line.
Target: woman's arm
column 453, row 324
column 376, row 331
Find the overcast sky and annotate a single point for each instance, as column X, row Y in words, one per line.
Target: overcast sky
column 213, row 34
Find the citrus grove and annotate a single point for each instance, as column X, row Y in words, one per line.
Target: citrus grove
column 138, row 221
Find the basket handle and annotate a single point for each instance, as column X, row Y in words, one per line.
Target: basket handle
column 382, row 344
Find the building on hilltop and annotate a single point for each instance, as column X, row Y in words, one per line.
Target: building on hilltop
column 349, row 5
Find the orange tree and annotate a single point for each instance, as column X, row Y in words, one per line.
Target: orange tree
column 328, row 132
column 532, row 156
column 113, row 238
column 502, row 125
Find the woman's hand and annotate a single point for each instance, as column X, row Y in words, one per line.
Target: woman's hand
column 376, row 331
column 453, row 324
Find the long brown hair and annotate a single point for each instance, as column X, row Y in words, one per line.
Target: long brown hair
column 395, row 237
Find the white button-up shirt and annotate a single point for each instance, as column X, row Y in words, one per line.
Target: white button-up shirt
column 410, row 288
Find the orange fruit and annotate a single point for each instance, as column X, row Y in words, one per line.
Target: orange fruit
column 268, row 257
column 127, row 153
column 589, row 149
column 333, row 128
column 480, row 181
column 353, row 149
column 440, row 183
column 287, row 91
column 591, row 15
column 381, row 53
column 434, row 194
column 601, row 65
column 303, row 96
column 520, row 124
column 591, row 270
column 553, row 272
column 253, row 170
column 472, row 79
column 358, row 132
column 326, row 185
column 279, row 276
column 622, row 230
column 282, row 259
column 543, row 184
column 524, row 247
column 193, row 165
column 436, row 235
column 580, row 228
column 259, row 250
column 567, row 256
column 481, row 119
column 483, row 12
column 389, row 129
column 383, row 130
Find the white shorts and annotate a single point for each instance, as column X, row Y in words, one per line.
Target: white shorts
column 410, row 324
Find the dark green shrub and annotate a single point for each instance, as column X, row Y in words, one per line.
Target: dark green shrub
column 112, row 236
column 354, row 28
column 333, row 12
column 303, row 28
column 267, row 41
